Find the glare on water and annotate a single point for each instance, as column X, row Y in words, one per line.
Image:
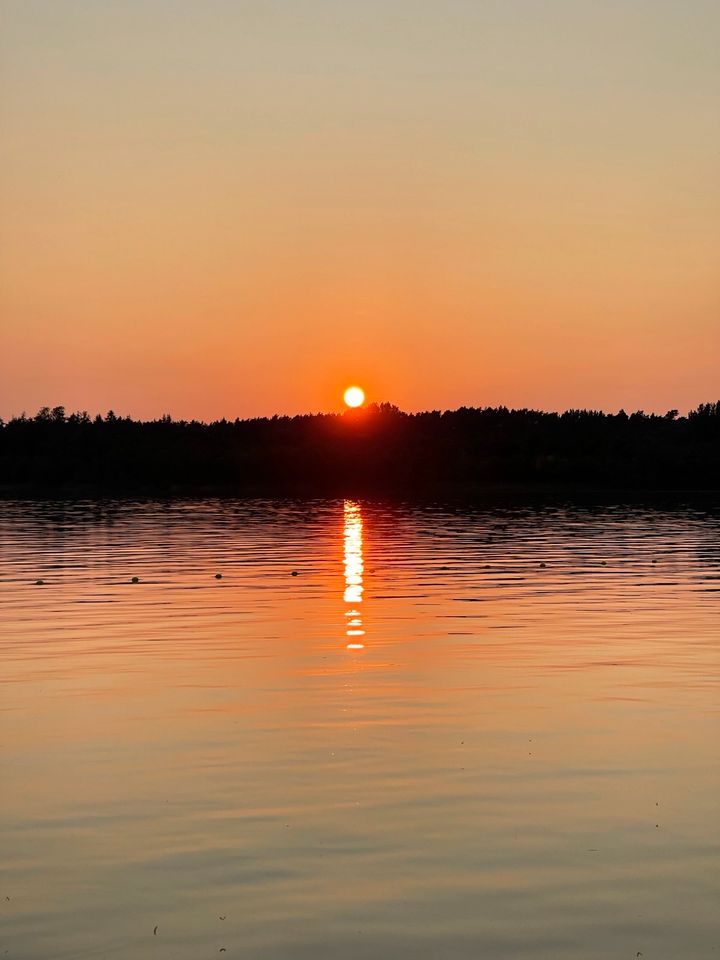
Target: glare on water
column 353, row 573
column 453, row 734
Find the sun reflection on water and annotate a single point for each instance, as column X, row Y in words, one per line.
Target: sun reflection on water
column 353, row 556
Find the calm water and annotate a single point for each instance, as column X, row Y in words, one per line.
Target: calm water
column 454, row 734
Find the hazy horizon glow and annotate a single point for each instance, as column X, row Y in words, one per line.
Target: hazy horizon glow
column 236, row 209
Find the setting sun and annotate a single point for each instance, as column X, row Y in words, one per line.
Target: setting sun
column 354, row 397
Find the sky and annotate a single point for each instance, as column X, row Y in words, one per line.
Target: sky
column 234, row 208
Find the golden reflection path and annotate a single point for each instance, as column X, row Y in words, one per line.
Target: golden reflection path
column 353, row 557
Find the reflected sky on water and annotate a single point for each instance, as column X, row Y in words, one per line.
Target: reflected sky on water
column 451, row 734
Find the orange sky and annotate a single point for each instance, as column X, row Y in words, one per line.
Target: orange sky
column 232, row 209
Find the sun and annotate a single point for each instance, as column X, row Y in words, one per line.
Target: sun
column 354, row 397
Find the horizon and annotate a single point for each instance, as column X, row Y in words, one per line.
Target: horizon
column 368, row 405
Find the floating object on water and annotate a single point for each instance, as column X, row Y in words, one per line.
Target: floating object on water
column 135, row 580
column 543, row 564
column 218, row 576
column 39, row 583
column 294, row 573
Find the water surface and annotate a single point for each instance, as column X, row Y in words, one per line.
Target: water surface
column 384, row 732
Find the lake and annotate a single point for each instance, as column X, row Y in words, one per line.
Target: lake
column 384, row 731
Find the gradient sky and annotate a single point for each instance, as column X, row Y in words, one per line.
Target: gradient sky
column 232, row 208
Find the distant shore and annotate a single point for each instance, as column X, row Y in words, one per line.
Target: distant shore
column 479, row 454
column 508, row 495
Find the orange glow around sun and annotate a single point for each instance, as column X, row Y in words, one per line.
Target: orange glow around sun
column 354, row 397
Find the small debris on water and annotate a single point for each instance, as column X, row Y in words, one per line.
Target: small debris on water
column 135, row 580
column 294, row 573
column 155, row 931
column 543, row 564
column 39, row 583
column 221, row 918
column 218, row 576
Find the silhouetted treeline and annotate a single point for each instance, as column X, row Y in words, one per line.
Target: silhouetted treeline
column 379, row 449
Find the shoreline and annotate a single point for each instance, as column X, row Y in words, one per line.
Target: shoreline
column 462, row 493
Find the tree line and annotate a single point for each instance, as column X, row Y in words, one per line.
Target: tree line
column 375, row 450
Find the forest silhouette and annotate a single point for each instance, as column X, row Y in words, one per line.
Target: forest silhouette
column 376, row 450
